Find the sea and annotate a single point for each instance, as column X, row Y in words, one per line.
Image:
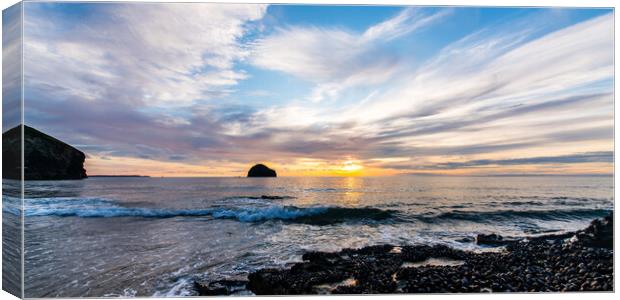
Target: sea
column 111, row 237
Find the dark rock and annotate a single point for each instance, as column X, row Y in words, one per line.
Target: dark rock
column 598, row 234
column 490, row 239
column 261, row 170
column 45, row 157
column 266, row 197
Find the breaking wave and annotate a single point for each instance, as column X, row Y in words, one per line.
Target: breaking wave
column 105, row 208
column 93, row 207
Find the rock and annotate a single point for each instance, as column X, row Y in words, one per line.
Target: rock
column 490, row 239
column 261, row 170
column 45, row 157
column 464, row 282
column 599, row 234
column 266, row 197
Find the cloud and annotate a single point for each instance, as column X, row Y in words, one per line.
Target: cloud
column 336, row 59
column 177, row 157
column 146, row 54
column 484, row 93
column 11, row 66
column 407, row 21
column 503, row 70
column 129, row 80
column 483, row 116
column 588, row 157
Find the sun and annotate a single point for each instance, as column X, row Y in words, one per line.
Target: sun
column 350, row 166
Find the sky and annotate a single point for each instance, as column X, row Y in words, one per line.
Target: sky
column 194, row 89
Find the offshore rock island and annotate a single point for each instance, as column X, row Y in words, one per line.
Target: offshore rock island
column 261, row 170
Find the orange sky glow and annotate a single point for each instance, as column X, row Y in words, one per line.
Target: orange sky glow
column 345, row 168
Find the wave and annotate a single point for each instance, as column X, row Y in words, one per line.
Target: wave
column 11, row 205
column 93, row 207
column 319, row 215
column 502, row 215
column 516, row 203
column 105, row 208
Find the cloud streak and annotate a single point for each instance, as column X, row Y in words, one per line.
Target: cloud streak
column 589, row 157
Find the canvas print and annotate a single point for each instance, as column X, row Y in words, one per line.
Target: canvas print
column 198, row 149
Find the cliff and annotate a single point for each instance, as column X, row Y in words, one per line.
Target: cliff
column 45, row 157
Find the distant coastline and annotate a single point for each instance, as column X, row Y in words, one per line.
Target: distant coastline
column 146, row 176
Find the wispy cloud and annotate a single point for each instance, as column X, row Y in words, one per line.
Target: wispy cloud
column 335, row 59
column 407, row 21
column 589, row 157
column 145, row 54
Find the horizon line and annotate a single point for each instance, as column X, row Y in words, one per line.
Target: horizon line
column 368, row 176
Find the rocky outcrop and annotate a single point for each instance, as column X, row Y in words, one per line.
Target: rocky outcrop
column 490, row 239
column 261, row 170
column 550, row 263
column 45, row 157
column 600, row 233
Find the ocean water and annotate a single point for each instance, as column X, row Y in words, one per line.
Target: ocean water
column 155, row 236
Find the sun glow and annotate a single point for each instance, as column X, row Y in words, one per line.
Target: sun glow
column 350, row 166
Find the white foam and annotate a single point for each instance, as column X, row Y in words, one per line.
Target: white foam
column 269, row 213
column 93, row 207
column 181, row 288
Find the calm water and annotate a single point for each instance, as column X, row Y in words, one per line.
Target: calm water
column 154, row 236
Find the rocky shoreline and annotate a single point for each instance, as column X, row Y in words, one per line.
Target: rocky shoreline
column 577, row 261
